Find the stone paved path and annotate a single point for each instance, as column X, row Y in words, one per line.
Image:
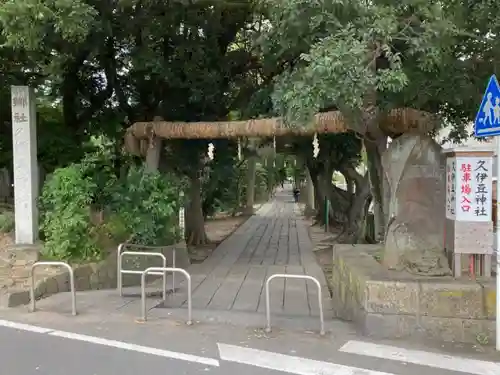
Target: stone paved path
column 228, row 287
column 274, row 240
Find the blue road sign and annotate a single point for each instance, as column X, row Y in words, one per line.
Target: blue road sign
column 487, row 122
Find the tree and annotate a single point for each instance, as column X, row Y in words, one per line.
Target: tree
column 366, row 58
column 116, row 62
column 357, row 59
column 342, row 153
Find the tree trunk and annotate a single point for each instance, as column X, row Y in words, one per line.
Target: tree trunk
column 322, row 188
column 339, row 204
column 195, row 223
column 350, row 185
column 250, row 197
column 357, row 213
column 374, row 151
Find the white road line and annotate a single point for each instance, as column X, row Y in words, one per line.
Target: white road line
column 136, row 348
column 286, row 363
column 112, row 343
column 419, row 357
column 24, row 327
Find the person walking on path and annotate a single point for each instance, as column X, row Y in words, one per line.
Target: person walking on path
column 296, row 194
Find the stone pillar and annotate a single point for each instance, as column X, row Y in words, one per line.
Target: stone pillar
column 469, row 202
column 310, row 209
column 153, row 153
column 250, row 193
column 25, row 164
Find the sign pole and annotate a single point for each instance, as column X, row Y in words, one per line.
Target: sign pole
column 182, row 219
column 487, row 124
column 497, row 252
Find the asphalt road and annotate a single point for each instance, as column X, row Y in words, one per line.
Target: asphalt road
column 35, row 350
column 28, row 353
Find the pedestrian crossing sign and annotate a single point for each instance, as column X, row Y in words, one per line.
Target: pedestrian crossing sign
column 487, row 122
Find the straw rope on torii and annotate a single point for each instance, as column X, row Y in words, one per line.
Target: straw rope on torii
column 396, row 121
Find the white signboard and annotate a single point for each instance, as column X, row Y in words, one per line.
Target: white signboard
column 451, row 186
column 182, row 224
column 473, row 181
column 182, row 216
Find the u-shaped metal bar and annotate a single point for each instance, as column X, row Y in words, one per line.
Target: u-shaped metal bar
column 289, row 276
column 121, row 271
column 139, row 272
column 71, row 283
column 153, row 270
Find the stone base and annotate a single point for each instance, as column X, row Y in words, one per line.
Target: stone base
column 91, row 276
column 22, row 254
column 391, row 304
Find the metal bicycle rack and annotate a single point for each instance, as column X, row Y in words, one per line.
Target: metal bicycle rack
column 121, row 271
column 71, row 283
column 303, row 277
column 159, row 270
column 139, row 272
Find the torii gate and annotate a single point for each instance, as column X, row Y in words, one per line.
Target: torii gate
column 25, row 145
column 396, row 121
column 144, row 138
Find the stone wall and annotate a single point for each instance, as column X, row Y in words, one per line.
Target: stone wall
column 390, row 304
column 91, row 276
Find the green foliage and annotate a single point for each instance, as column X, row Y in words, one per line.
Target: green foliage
column 6, row 222
column 356, row 49
column 225, row 181
column 102, row 65
column 99, row 167
column 68, row 20
column 336, row 150
column 86, row 207
column 295, row 170
column 57, row 145
column 229, row 196
column 264, row 181
column 66, row 222
column 146, row 205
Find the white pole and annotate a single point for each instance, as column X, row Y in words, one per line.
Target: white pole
column 182, row 219
column 497, row 234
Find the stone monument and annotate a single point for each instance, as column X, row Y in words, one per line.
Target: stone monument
column 25, row 165
column 415, row 175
